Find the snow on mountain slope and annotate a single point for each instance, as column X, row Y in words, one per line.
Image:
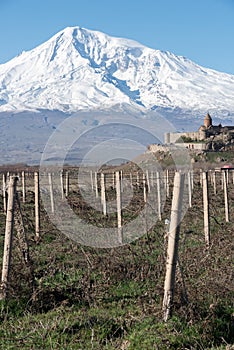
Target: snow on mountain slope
column 81, row 69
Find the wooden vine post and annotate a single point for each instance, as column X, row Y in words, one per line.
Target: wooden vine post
column 8, row 237
column 190, row 189
column 4, row 193
column 61, row 183
column 113, row 180
column 167, row 183
column 23, row 186
column 173, row 244
column 121, row 181
column 91, row 180
column 144, row 188
column 37, row 204
column 159, row 195
column 103, row 194
column 96, row 184
column 225, row 189
column 51, row 192
column 214, row 182
column 147, row 180
column 118, row 202
column 206, row 207
column 67, row 184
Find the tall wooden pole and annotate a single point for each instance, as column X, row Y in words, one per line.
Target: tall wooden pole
column 159, row 195
column 225, row 189
column 67, row 184
column 173, row 244
column 147, row 180
column 214, row 182
column 91, row 180
column 96, row 184
column 190, row 189
column 192, row 179
column 121, row 180
column 8, row 237
column 113, row 180
column 118, row 202
column 37, row 204
column 4, row 192
column 61, row 183
column 167, row 183
column 23, row 186
column 51, row 192
column 103, row 193
column 144, row 188
column 206, row 207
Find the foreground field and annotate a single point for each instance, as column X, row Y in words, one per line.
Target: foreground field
column 76, row 297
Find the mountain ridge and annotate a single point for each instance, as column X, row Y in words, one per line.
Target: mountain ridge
column 79, row 69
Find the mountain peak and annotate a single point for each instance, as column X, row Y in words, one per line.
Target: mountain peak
column 81, row 69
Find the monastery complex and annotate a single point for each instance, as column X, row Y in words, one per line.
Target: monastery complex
column 208, row 137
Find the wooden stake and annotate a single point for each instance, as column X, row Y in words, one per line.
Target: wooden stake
column 51, row 192
column 225, row 189
column 4, row 192
column 61, row 182
column 8, row 237
column 147, row 180
column 189, row 189
column 23, row 186
column 37, row 205
column 167, row 183
column 173, row 244
column 91, row 180
column 214, row 182
column 121, row 180
column 159, row 195
column 206, row 207
column 118, row 202
column 103, row 194
column 113, row 180
column 96, row 184
column 192, row 179
column 67, row 184
column 144, row 189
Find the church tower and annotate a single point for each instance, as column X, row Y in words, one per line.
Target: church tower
column 207, row 121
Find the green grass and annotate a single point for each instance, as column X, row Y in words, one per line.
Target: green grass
column 74, row 297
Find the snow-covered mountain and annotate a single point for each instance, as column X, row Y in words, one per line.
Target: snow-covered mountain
column 95, row 76
column 81, row 69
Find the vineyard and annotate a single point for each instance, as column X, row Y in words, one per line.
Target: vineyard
column 106, row 282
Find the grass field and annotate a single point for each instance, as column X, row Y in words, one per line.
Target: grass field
column 77, row 297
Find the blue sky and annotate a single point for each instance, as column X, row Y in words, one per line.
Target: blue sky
column 201, row 30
